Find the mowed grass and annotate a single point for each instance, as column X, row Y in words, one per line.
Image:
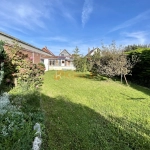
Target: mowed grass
column 87, row 114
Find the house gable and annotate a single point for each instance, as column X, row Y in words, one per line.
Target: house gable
column 65, row 53
column 91, row 53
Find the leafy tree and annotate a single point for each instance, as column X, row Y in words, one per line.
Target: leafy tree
column 135, row 47
column 79, row 61
column 112, row 62
column 93, row 61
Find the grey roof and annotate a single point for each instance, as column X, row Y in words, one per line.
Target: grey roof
column 14, row 38
column 22, row 42
column 64, row 50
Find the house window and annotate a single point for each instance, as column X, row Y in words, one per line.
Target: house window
column 42, row 61
column 68, row 63
column 56, row 62
column 62, row 54
column 59, row 62
column 53, row 62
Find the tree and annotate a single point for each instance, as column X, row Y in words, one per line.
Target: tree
column 93, row 61
column 76, row 58
column 112, row 61
column 76, row 51
column 80, row 62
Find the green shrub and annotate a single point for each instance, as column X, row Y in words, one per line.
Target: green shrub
column 19, row 68
column 22, row 111
column 141, row 71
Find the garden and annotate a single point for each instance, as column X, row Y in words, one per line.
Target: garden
column 96, row 107
column 21, row 117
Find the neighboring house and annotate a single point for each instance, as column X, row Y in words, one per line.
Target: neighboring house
column 36, row 54
column 52, row 62
column 62, row 62
column 91, row 52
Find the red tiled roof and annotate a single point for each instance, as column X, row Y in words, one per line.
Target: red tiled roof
column 47, row 51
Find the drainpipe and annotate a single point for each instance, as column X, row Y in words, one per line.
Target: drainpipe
column 33, row 57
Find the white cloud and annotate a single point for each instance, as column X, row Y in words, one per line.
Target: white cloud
column 66, row 12
column 143, row 16
column 87, row 10
column 23, row 13
column 55, row 38
column 139, row 37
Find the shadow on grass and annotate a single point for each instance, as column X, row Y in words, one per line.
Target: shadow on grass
column 141, row 88
column 132, row 98
column 145, row 90
column 71, row 126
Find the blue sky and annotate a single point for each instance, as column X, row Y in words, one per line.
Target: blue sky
column 65, row 24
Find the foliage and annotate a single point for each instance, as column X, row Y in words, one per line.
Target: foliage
column 135, row 47
column 76, row 51
column 141, row 71
column 79, row 61
column 76, row 57
column 93, row 61
column 2, row 57
column 81, row 64
column 18, row 65
column 10, row 124
column 114, row 64
column 42, row 64
column 112, row 61
column 19, row 113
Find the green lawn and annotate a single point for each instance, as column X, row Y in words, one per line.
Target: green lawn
column 87, row 114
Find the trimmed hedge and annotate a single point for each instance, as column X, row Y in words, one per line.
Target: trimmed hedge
column 141, row 71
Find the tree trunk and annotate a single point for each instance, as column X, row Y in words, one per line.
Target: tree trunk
column 121, row 75
column 126, row 79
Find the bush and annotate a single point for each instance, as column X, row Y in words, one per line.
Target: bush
column 18, row 68
column 141, row 71
column 19, row 111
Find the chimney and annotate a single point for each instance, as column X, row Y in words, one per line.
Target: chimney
column 88, row 50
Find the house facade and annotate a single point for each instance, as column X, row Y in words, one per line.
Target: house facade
column 36, row 54
column 64, row 61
